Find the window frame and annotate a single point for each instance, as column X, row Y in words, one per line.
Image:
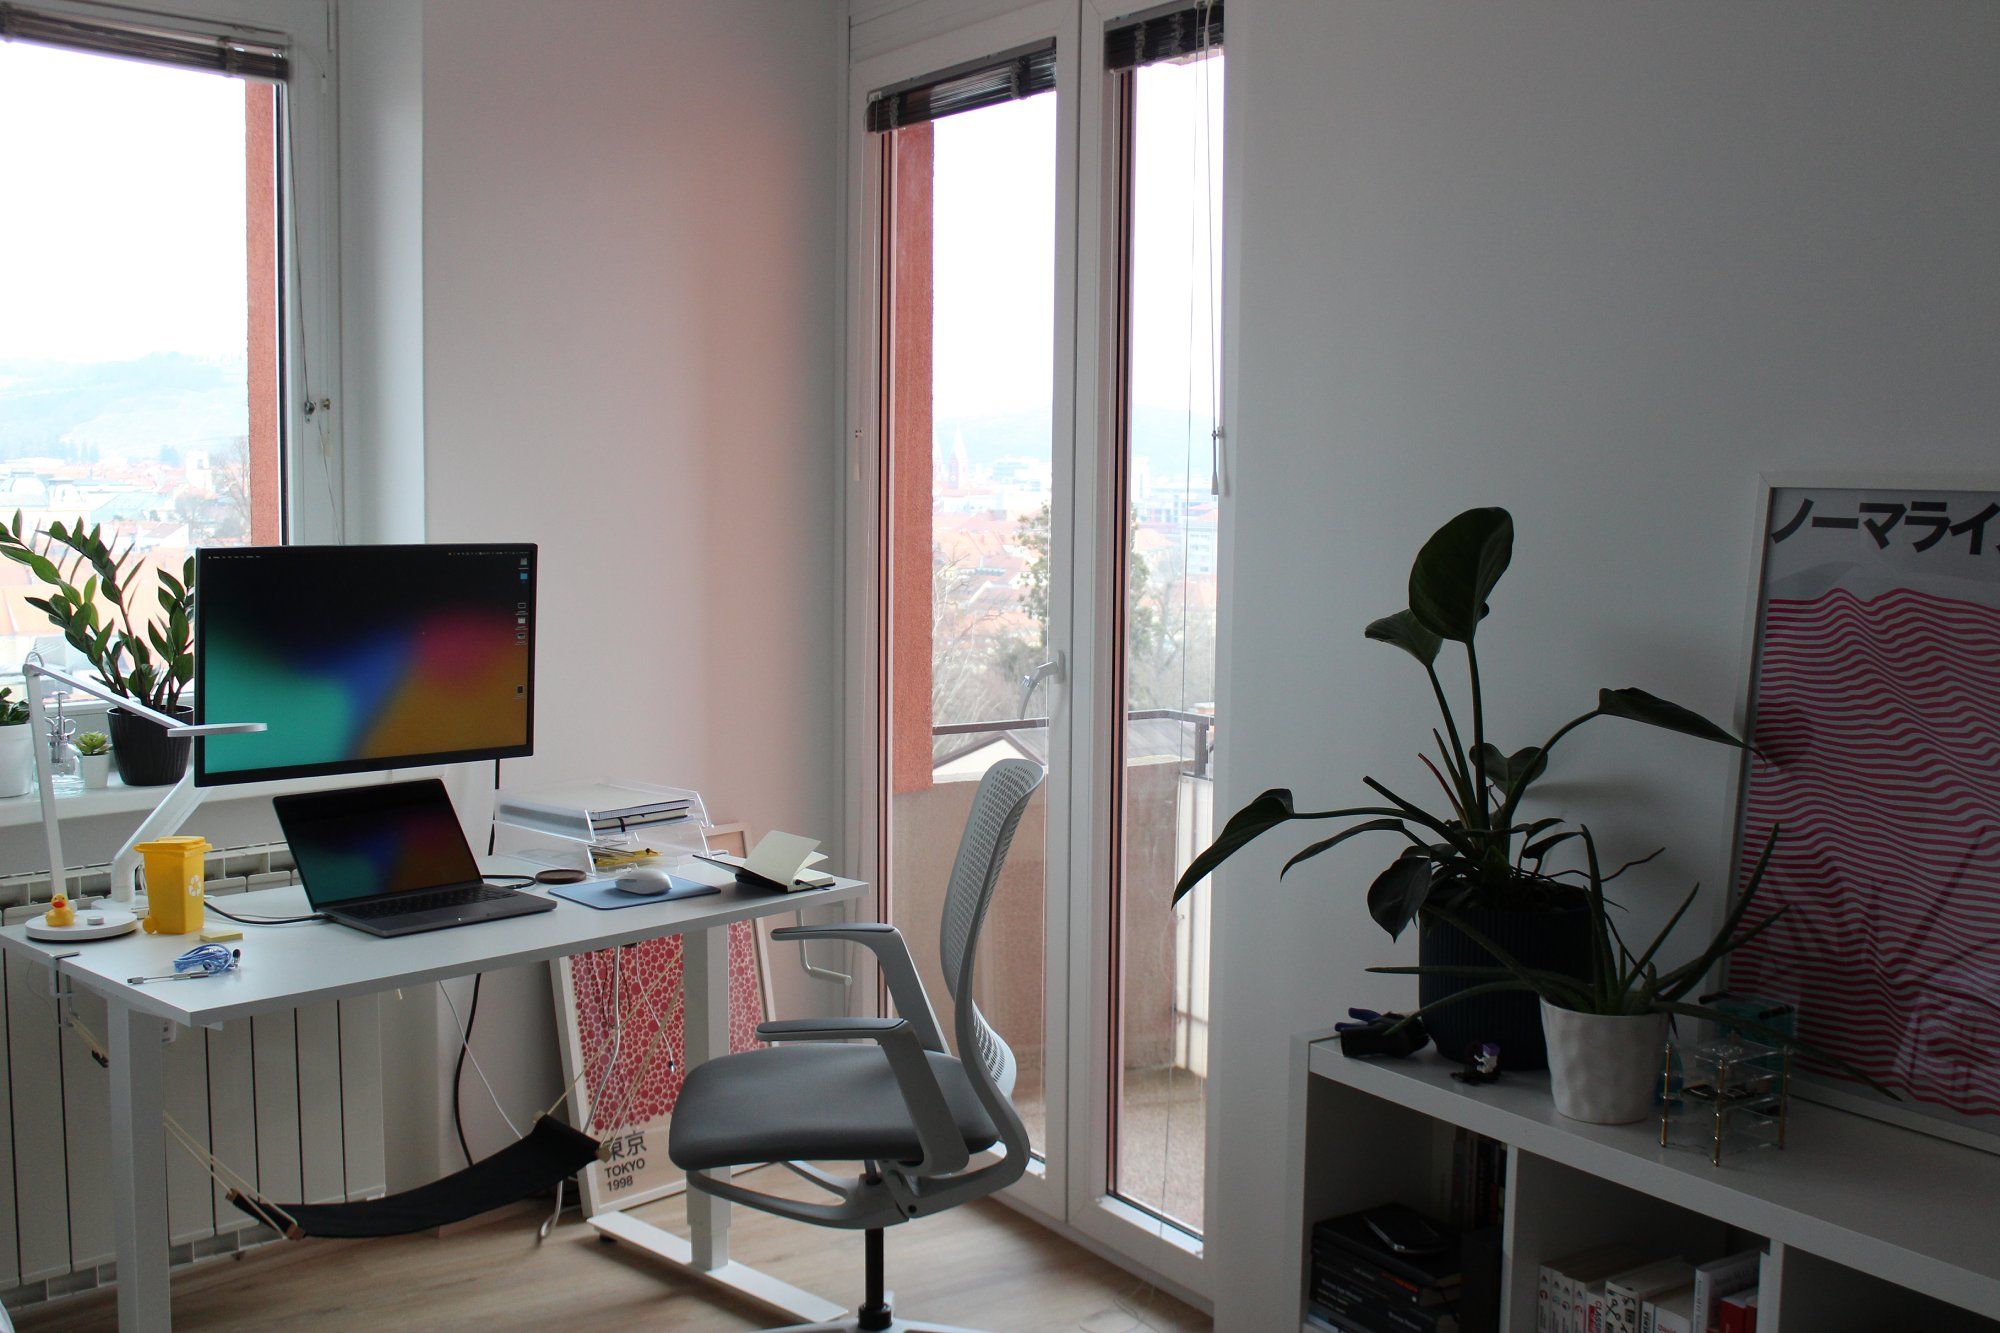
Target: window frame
column 1070, row 1191
column 310, row 445
column 1043, row 1190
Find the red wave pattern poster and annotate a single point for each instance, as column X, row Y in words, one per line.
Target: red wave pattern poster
column 1876, row 704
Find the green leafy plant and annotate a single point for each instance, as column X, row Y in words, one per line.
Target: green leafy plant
column 93, row 743
column 1622, row 981
column 1478, row 850
column 13, row 712
column 148, row 659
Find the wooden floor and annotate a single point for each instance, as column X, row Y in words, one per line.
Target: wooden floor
column 981, row 1265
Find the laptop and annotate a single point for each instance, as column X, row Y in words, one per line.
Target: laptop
column 391, row 859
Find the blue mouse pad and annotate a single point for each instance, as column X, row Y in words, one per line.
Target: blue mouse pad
column 605, row 895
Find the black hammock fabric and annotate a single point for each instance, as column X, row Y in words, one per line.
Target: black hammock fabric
column 550, row 1152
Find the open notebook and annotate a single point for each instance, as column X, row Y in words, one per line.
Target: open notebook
column 781, row 861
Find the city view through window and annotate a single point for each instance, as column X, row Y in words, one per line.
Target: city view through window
column 138, row 312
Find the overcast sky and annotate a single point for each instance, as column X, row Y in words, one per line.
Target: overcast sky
column 994, row 247
column 121, row 215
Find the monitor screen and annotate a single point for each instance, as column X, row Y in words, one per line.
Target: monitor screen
column 362, row 657
column 388, row 838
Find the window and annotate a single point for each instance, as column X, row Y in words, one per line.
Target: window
column 1167, row 351
column 153, row 342
column 968, row 255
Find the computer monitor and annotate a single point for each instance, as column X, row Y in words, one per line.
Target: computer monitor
column 360, row 658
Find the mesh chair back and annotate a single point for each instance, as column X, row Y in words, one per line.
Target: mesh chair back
column 989, row 830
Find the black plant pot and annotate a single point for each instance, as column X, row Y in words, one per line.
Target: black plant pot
column 1554, row 941
column 145, row 754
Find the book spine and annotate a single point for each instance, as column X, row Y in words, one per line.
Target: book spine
column 1542, row 1303
column 1345, row 1265
column 1621, row 1311
column 1325, row 1246
column 1374, row 1314
column 1361, row 1297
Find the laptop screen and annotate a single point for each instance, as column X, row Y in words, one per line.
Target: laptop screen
column 387, row 838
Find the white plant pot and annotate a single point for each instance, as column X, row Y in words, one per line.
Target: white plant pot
column 95, row 769
column 1603, row 1067
column 17, row 760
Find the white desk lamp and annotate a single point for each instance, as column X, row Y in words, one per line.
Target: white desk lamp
column 179, row 802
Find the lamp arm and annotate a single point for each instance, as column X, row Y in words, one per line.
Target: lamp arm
column 166, row 817
column 174, row 726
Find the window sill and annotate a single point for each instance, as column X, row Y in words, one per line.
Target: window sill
column 119, row 799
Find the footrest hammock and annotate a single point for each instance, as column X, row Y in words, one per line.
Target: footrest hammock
column 548, row 1154
column 542, row 1159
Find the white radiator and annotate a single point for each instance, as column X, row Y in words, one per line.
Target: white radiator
column 292, row 1101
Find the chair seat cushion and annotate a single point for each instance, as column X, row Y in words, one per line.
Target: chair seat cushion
column 810, row 1102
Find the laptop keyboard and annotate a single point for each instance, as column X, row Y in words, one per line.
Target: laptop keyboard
column 430, row 900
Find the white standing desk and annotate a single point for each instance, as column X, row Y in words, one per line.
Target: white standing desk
column 285, row 967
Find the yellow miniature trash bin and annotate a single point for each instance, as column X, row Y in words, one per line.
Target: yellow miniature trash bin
column 173, row 883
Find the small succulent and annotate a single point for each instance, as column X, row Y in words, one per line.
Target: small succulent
column 13, row 712
column 93, row 742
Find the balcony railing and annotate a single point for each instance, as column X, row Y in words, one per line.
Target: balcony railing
column 1203, row 724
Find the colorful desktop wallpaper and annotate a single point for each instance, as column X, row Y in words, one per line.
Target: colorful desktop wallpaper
column 372, row 841
column 358, row 656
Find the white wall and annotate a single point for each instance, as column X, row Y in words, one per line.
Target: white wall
column 1601, row 264
column 629, row 255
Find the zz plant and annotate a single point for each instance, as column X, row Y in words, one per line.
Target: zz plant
column 148, row 659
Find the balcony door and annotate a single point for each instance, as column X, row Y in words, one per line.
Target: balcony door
column 1032, row 494
column 970, row 442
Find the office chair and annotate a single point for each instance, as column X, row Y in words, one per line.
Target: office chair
column 902, row 1107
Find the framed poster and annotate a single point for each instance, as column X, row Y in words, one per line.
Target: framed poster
column 1874, row 701
column 621, row 1020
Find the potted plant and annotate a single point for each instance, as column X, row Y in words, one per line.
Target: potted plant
column 93, row 757
column 148, row 659
column 17, row 746
column 1607, row 1029
column 1474, row 872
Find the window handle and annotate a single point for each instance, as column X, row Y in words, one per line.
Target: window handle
column 1056, row 669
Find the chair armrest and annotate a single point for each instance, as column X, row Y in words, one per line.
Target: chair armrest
column 937, row 1132
column 892, row 955
column 824, row 1029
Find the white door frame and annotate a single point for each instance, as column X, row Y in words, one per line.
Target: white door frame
column 1070, row 1193
column 1042, row 1189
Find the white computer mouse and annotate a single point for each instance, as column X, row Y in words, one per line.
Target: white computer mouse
column 645, row 880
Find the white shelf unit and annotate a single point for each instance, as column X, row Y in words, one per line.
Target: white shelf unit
column 1870, row 1228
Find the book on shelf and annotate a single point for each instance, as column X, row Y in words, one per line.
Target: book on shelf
column 1718, row 1278
column 1564, row 1285
column 1364, row 1315
column 1626, row 1293
column 1334, row 1288
column 1669, row 1312
column 1351, row 1234
column 1345, row 1266
column 1737, row 1313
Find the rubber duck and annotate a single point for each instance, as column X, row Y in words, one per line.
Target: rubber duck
column 61, row 912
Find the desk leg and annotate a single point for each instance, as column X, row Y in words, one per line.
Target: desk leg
column 705, row 1253
column 139, row 1169
column 705, row 993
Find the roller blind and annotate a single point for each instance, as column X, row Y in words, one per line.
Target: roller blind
column 1170, row 36
column 1006, row 77
column 160, row 46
